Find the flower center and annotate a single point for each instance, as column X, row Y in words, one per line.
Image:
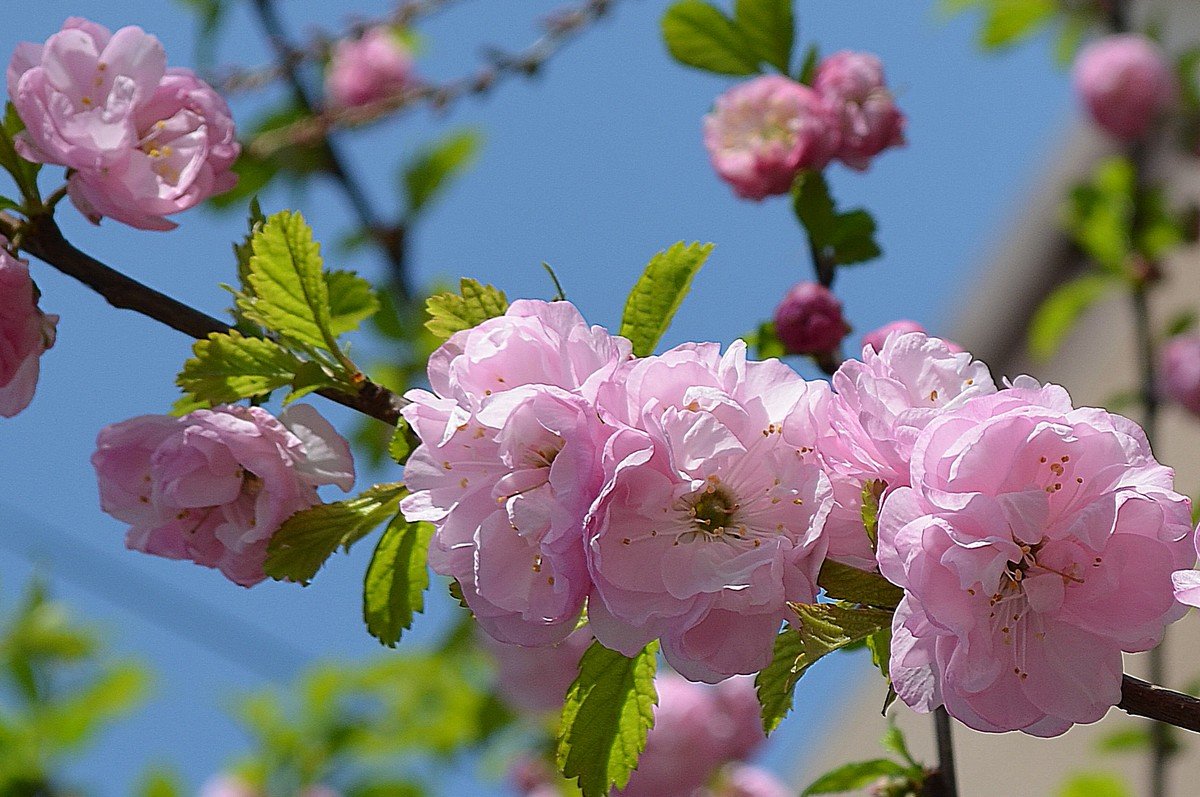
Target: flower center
column 712, row 510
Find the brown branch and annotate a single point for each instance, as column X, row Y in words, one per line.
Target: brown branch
column 42, row 238
column 1159, row 703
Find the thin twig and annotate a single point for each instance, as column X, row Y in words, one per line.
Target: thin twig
column 1159, row 703
column 943, row 782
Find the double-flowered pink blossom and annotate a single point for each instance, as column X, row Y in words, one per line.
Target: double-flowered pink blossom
column 1126, row 84
column 853, row 86
column 711, row 517
column 369, row 68
column 809, row 320
column 1179, row 371
column 510, row 463
column 761, row 133
column 1034, row 545
column 142, row 141
column 877, row 337
column 25, row 333
column 214, row 485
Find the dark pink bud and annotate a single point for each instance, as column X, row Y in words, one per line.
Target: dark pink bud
column 1126, row 84
column 809, row 320
column 1179, row 371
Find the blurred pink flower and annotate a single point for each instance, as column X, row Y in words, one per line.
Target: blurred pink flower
column 367, row 69
column 876, row 337
column 853, row 86
column 1034, row 546
column 742, row 780
column 1126, row 84
column 25, row 334
column 1179, row 371
column 535, row 680
column 809, row 320
column 214, row 485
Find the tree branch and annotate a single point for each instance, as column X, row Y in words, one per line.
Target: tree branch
column 1158, row 703
column 42, row 238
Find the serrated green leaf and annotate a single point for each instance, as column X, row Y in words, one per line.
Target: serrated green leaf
column 289, row 294
column 770, row 28
column 1010, row 21
column 841, row 238
column 658, row 293
column 847, row 583
column 700, row 35
column 230, row 367
column 851, row 777
column 436, row 166
column 608, row 711
column 309, row 537
column 396, row 580
column 1095, row 784
column 310, row 377
column 1062, row 308
column 471, row 306
column 819, row 629
column 352, row 300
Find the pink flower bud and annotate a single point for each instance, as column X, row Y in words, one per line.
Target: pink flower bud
column 1179, row 371
column 853, row 86
column 876, row 337
column 809, row 320
column 368, row 69
column 762, row 132
column 25, row 332
column 1126, row 84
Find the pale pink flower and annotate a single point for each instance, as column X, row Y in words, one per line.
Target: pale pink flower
column 710, row 519
column 883, row 402
column 876, row 337
column 367, row 69
column 1179, row 371
column 25, row 334
column 854, row 87
column 809, row 320
column 743, row 780
column 214, row 485
column 761, row 133
column 1034, row 546
column 509, row 463
column 737, row 718
column 535, row 680
column 233, row 786
column 1126, row 84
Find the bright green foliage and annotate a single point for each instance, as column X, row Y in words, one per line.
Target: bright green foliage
column 1062, row 307
column 846, row 583
column 396, row 580
column 880, row 645
column 894, row 742
column 23, row 172
column 1099, row 214
column 607, row 714
column 1095, row 784
column 404, row 440
column 819, row 629
column 855, row 776
column 309, row 537
column 838, row 238
column 770, row 28
column 871, row 492
column 433, row 169
column 471, row 306
column 764, row 343
column 160, row 783
column 230, row 367
column 659, row 292
column 352, row 300
column 701, row 35
column 1007, row 22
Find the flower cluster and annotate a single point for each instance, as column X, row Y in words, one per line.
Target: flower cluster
column 214, row 485
column 25, row 333
column 763, row 132
column 141, row 140
column 367, row 69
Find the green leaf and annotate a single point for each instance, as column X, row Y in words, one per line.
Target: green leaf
column 72, row 720
column 352, row 300
column 471, row 306
column 309, row 537
column 659, row 292
column 230, row 367
column 160, row 783
column 1062, row 308
column 880, row 645
column 1074, row 28
column 1181, row 322
column 871, row 492
column 894, row 742
column 818, row 630
column 23, row 172
column 1010, row 21
column 1124, row 740
column 436, row 166
column 700, row 35
column 851, row 777
column 808, row 68
column 404, row 440
column 608, row 711
column 841, row 238
column 396, row 580
column 770, row 28
column 764, row 343
column 1095, row 784
column 289, row 294
column 1099, row 214
column 847, row 583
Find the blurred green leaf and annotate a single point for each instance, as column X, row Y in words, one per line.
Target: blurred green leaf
column 1182, row 322
column 1100, row 214
column 770, row 28
column 160, row 783
column 1095, row 784
column 894, row 742
column 1007, row 22
column 660, row 290
column 1061, row 308
column 700, row 35
column 764, row 343
column 433, row 168
column 808, row 68
column 396, row 580
column 851, row 777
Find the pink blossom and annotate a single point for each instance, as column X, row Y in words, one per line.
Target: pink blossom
column 764, row 131
column 710, row 518
column 742, row 780
column 233, row 786
column 1034, row 546
column 214, row 485
column 1179, row 371
column 1126, row 84
column 883, row 402
column 854, row 87
column 25, row 333
column 371, row 68
column 809, row 320
column 509, row 463
column 737, row 718
column 535, row 680
column 876, row 337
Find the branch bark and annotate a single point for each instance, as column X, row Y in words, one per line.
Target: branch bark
column 1158, row 703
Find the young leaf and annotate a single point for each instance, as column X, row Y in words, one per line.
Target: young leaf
column 894, row 742
column 842, row 238
column 1095, row 784
column 403, row 441
column 818, row 630
column 352, row 300
column 764, row 343
column 434, row 167
column 471, row 306
column 1010, row 21
column 855, row 776
column 880, row 645
column 229, row 367
column 847, row 583
column 396, row 580
column 607, row 714
column 23, row 172
column 659, row 292
column 700, row 35
column 1062, row 308
column 1099, row 214
column 309, row 537
column 770, row 28
column 1184, row 321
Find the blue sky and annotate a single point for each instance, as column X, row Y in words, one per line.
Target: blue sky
column 592, row 167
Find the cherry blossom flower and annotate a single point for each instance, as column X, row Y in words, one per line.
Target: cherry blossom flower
column 1126, row 84
column 854, row 87
column 1179, row 371
column 535, row 680
column 1034, row 546
column 367, row 69
column 25, row 334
